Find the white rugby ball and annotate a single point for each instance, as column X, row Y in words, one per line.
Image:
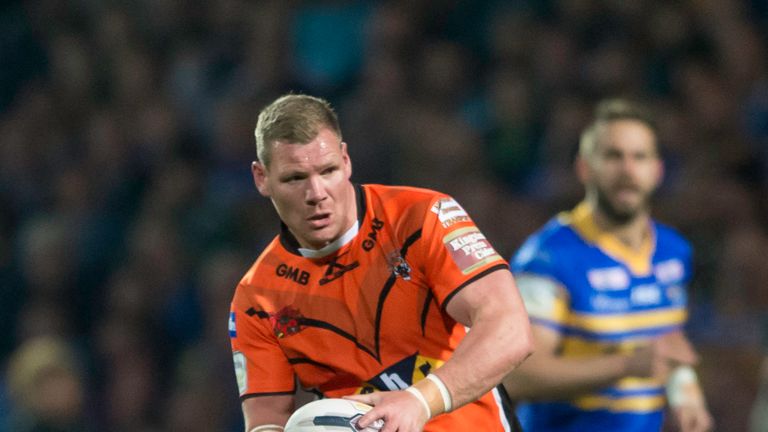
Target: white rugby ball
column 333, row 414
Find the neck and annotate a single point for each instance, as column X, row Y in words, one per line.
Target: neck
column 633, row 232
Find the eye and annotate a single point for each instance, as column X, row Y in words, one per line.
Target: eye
column 292, row 178
column 329, row 170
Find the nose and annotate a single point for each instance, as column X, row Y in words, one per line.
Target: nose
column 315, row 190
column 628, row 164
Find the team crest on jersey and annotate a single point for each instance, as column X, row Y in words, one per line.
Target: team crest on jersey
column 286, row 322
column 399, row 266
column 449, row 212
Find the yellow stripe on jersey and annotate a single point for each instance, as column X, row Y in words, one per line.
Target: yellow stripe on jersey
column 624, row 322
column 576, row 346
column 637, row 260
column 420, row 371
column 633, row 383
column 621, row 404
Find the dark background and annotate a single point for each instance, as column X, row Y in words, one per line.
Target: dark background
column 128, row 214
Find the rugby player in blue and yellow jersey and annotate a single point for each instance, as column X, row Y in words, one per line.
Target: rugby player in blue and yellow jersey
column 605, row 287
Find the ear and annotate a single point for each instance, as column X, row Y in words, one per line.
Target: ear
column 660, row 172
column 581, row 166
column 346, row 160
column 259, row 172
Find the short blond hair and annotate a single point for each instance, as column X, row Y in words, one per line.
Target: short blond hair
column 610, row 110
column 293, row 118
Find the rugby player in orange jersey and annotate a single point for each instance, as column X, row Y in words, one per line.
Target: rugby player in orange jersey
column 367, row 292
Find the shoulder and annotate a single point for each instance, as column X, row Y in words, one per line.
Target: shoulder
column 550, row 240
column 263, row 268
column 402, row 195
column 671, row 240
column 404, row 206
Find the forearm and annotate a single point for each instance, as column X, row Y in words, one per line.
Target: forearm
column 491, row 349
column 547, row 376
column 267, row 412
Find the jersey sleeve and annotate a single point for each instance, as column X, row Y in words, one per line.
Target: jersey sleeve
column 546, row 299
column 261, row 368
column 455, row 252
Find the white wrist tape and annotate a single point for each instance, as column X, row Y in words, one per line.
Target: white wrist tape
column 414, row 391
column 681, row 378
column 267, row 428
column 447, row 399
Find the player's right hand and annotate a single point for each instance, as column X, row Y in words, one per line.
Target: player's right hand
column 400, row 410
column 661, row 356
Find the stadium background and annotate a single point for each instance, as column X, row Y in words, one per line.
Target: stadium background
column 128, row 211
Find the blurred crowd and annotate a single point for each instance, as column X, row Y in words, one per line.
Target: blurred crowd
column 128, row 212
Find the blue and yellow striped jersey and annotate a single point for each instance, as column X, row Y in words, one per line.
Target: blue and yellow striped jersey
column 602, row 297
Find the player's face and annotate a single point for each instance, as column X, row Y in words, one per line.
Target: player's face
column 623, row 170
column 310, row 188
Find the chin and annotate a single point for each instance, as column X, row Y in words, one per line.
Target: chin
column 319, row 241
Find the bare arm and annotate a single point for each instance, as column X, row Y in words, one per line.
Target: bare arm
column 267, row 410
column 547, row 375
column 499, row 340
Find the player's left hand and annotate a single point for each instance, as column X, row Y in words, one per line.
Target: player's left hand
column 693, row 418
column 400, row 410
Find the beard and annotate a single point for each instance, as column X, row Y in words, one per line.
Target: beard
column 621, row 215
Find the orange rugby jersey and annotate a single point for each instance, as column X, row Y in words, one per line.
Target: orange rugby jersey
column 370, row 315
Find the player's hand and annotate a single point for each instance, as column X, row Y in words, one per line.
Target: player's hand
column 647, row 362
column 676, row 348
column 400, row 410
column 661, row 356
column 692, row 418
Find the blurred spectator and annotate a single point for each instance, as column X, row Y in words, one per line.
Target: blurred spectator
column 127, row 140
column 47, row 388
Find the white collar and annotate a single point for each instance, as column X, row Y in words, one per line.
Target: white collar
column 332, row 246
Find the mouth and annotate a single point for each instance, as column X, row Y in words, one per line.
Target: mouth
column 627, row 193
column 319, row 220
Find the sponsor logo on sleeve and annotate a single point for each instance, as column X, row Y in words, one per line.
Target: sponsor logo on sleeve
column 449, row 212
column 469, row 249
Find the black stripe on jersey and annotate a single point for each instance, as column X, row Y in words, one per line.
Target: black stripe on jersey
column 260, row 314
column 425, row 311
column 387, row 287
column 361, row 208
column 472, row 279
column 311, row 322
column 328, row 326
column 304, row 360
